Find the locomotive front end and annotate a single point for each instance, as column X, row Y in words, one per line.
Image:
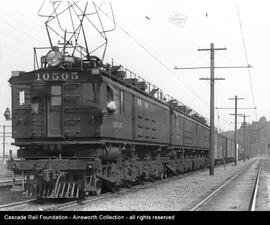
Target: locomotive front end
column 56, row 117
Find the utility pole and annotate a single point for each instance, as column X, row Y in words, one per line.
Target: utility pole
column 212, row 79
column 235, row 126
column 244, row 135
column 212, row 102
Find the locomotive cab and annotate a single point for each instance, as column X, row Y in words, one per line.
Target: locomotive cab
column 55, row 104
column 56, row 115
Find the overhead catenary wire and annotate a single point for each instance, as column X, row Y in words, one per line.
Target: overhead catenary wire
column 217, row 112
column 161, row 63
column 196, row 59
column 156, row 58
column 246, row 58
column 20, row 31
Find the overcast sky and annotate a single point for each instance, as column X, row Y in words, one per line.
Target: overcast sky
column 149, row 45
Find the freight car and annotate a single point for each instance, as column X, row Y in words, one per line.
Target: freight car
column 83, row 126
column 224, row 149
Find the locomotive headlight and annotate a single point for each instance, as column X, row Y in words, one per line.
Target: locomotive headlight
column 54, row 57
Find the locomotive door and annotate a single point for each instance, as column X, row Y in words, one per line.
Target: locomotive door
column 54, row 107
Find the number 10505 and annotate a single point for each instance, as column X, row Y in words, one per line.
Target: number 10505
column 57, row 76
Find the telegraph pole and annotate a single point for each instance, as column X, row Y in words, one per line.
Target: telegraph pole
column 244, row 135
column 212, row 79
column 235, row 126
column 212, row 102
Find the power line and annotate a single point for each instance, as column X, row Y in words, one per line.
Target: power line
column 161, row 63
column 165, row 66
column 246, row 57
column 156, row 58
column 22, row 32
column 21, row 20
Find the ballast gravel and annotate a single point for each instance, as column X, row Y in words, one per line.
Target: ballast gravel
column 177, row 194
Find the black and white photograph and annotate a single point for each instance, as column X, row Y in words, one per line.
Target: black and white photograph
column 133, row 110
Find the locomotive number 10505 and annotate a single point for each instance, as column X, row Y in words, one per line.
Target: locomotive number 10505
column 57, row 76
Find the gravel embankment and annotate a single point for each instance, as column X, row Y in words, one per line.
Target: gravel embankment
column 178, row 194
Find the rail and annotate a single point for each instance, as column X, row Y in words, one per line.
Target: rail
column 222, row 186
column 253, row 201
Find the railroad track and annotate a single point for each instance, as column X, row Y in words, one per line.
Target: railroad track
column 34, row 205
column 7, row 181
column 16, row 205
column 252, row 206
column 4, row 176
column 77, row 204
column 250, row 199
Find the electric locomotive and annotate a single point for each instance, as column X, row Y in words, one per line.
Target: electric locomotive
column 83, row 126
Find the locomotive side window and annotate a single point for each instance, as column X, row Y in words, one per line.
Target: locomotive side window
column 177, row 124
column 146, row 104
column 22, row 96
column 152, row 108
column 116, row 99
column 56, row 95
column 117, row 96
column 139, row 102
column 109, row 94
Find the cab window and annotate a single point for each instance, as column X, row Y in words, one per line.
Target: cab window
column 117, row 96
column 22, row 95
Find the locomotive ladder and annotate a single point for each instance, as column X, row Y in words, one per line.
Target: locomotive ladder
column 69, row 99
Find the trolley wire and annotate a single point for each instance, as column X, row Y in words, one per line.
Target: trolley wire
column 246, row 58
column 160, row 62
column 156, row 58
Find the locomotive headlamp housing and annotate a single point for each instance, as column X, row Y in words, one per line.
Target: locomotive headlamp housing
column 54, row 57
